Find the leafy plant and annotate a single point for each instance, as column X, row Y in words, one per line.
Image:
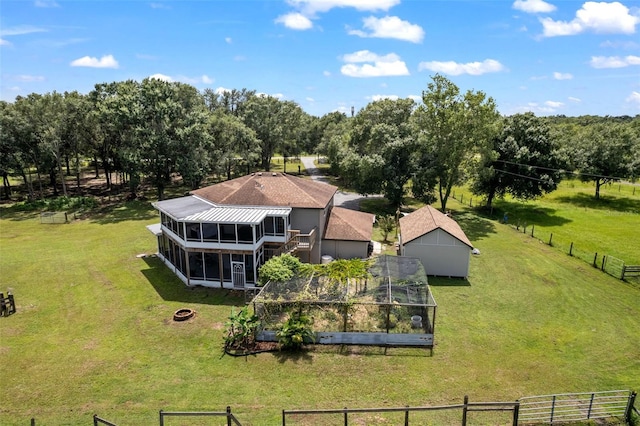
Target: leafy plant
column 241, row 329
column 386, row 224
column 280, row 268
column 295, row 332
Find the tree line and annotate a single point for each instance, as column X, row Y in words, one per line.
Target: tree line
column 156, row 130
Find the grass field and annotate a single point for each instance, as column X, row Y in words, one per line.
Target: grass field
column 93, row 332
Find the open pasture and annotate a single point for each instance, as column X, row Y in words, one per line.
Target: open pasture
column 94, row 332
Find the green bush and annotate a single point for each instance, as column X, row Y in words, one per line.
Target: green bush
column 241, row 329
column 295, row 332
column 280, row 268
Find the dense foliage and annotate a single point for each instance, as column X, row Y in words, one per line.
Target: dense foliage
column 156, row 131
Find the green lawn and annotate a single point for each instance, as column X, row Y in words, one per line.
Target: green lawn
column 93, row 332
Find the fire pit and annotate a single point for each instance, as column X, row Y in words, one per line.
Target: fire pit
column 183, row 314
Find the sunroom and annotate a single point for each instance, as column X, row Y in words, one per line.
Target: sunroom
column 219, row 246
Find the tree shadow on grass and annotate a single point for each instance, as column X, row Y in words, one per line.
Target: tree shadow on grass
column 448, row 282
column 10, row 212
column 120, row 212
column 170, row 288
column 524, row 214
column 619, row 204
column 474, row 226
column 303, row 355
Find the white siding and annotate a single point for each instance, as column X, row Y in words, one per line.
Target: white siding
column 339, row 249
column 440, row 253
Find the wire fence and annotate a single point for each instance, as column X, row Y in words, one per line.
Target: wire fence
column 607, row 263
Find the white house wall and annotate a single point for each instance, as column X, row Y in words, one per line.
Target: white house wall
column 305, row 220
column 440, row 253
column 339, row 249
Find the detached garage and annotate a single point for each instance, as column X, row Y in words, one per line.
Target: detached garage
column 437, row 240
column 348, row 234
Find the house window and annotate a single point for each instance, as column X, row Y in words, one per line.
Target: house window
column 227, row 233
column 259, row 232
column 180, row 261
column 212, row 266
column 245, row 234
column 196, row 266
column 269, row 228
column 193, row 231
column 181, row 229
column 210, row 232
column 279, row 225
column 226, row 267
column 248, row 268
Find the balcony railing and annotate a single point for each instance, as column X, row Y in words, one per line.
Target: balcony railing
column 296, row 242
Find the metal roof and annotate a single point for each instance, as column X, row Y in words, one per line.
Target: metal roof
column 194, row 209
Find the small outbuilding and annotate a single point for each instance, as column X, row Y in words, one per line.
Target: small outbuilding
column 348, row 234
column 437, row 240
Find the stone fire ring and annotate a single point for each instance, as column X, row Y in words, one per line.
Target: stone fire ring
column 183, row 314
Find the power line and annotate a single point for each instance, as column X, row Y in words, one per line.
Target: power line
column 522, row 176
column 568, row 172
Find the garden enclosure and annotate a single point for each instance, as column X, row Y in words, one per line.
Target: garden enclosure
column 391, row 306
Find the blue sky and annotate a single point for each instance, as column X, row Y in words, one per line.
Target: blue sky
column 549, row 57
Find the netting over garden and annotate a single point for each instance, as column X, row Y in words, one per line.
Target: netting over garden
column 392, row 297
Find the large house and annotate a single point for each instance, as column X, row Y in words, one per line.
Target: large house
column 220, row 235
column 437, row 240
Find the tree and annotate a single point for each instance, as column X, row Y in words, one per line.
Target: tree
column 524, row 161
column 170, row 131
column 607, row 153
column 276, row 124
column 381, row 145
column 453, row 129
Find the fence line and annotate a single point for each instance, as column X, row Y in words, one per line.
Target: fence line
column 609, row 264
column 465, row 408
column 564, row 408
column 231, row 419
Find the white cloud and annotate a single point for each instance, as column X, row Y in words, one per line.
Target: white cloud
column 614, row 61
column 562, row 76
column 162, row 77
column 311, row 7
column 627, row 45
column 380, row 97
column 146, row 57
column 377, row 66
column 326, row 73
column 220, row 90
column 533, row 6
column 107, row 61
column 228, row 40
column 46, row 3
column 295, row 21
column 612, row 18
column 4, row 42
column 309, row 99
column 572, row 99
column 554, row 104
column 390, row 27
column 21, row 30
column 159, row 6
column 184, row 79
column 416, row 98
column 454, row 68
column 634, row 98
column 29, row 78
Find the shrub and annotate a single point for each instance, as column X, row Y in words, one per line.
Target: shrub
column 295, row 332
column 241, row 329
column 280, row 268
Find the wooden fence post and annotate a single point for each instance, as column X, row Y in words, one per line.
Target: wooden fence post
column 550, row 238
column 532, row 228
column 595, row 260
column 630, row 407
column 624, row 271
column 604, row 259
column 464, row 410
column 571, row 249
